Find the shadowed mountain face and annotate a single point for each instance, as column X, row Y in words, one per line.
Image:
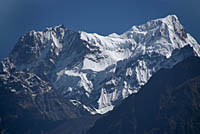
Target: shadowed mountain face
column 30, row 105
column 168, row 104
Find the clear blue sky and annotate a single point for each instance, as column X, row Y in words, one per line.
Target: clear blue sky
column 18, row 17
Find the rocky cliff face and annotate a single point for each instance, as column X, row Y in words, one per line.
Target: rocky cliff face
column 31, row 105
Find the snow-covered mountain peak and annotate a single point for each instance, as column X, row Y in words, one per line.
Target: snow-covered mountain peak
column 169, row 20
column 47, row 44
column 99, row 71
column 56, row 28
column 162, row 25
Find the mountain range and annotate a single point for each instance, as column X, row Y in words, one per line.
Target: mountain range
column 57, row 76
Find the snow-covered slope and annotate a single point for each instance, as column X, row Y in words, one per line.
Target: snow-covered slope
column 97, row 72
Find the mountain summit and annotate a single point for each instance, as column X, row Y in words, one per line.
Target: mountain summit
column 96, row 72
